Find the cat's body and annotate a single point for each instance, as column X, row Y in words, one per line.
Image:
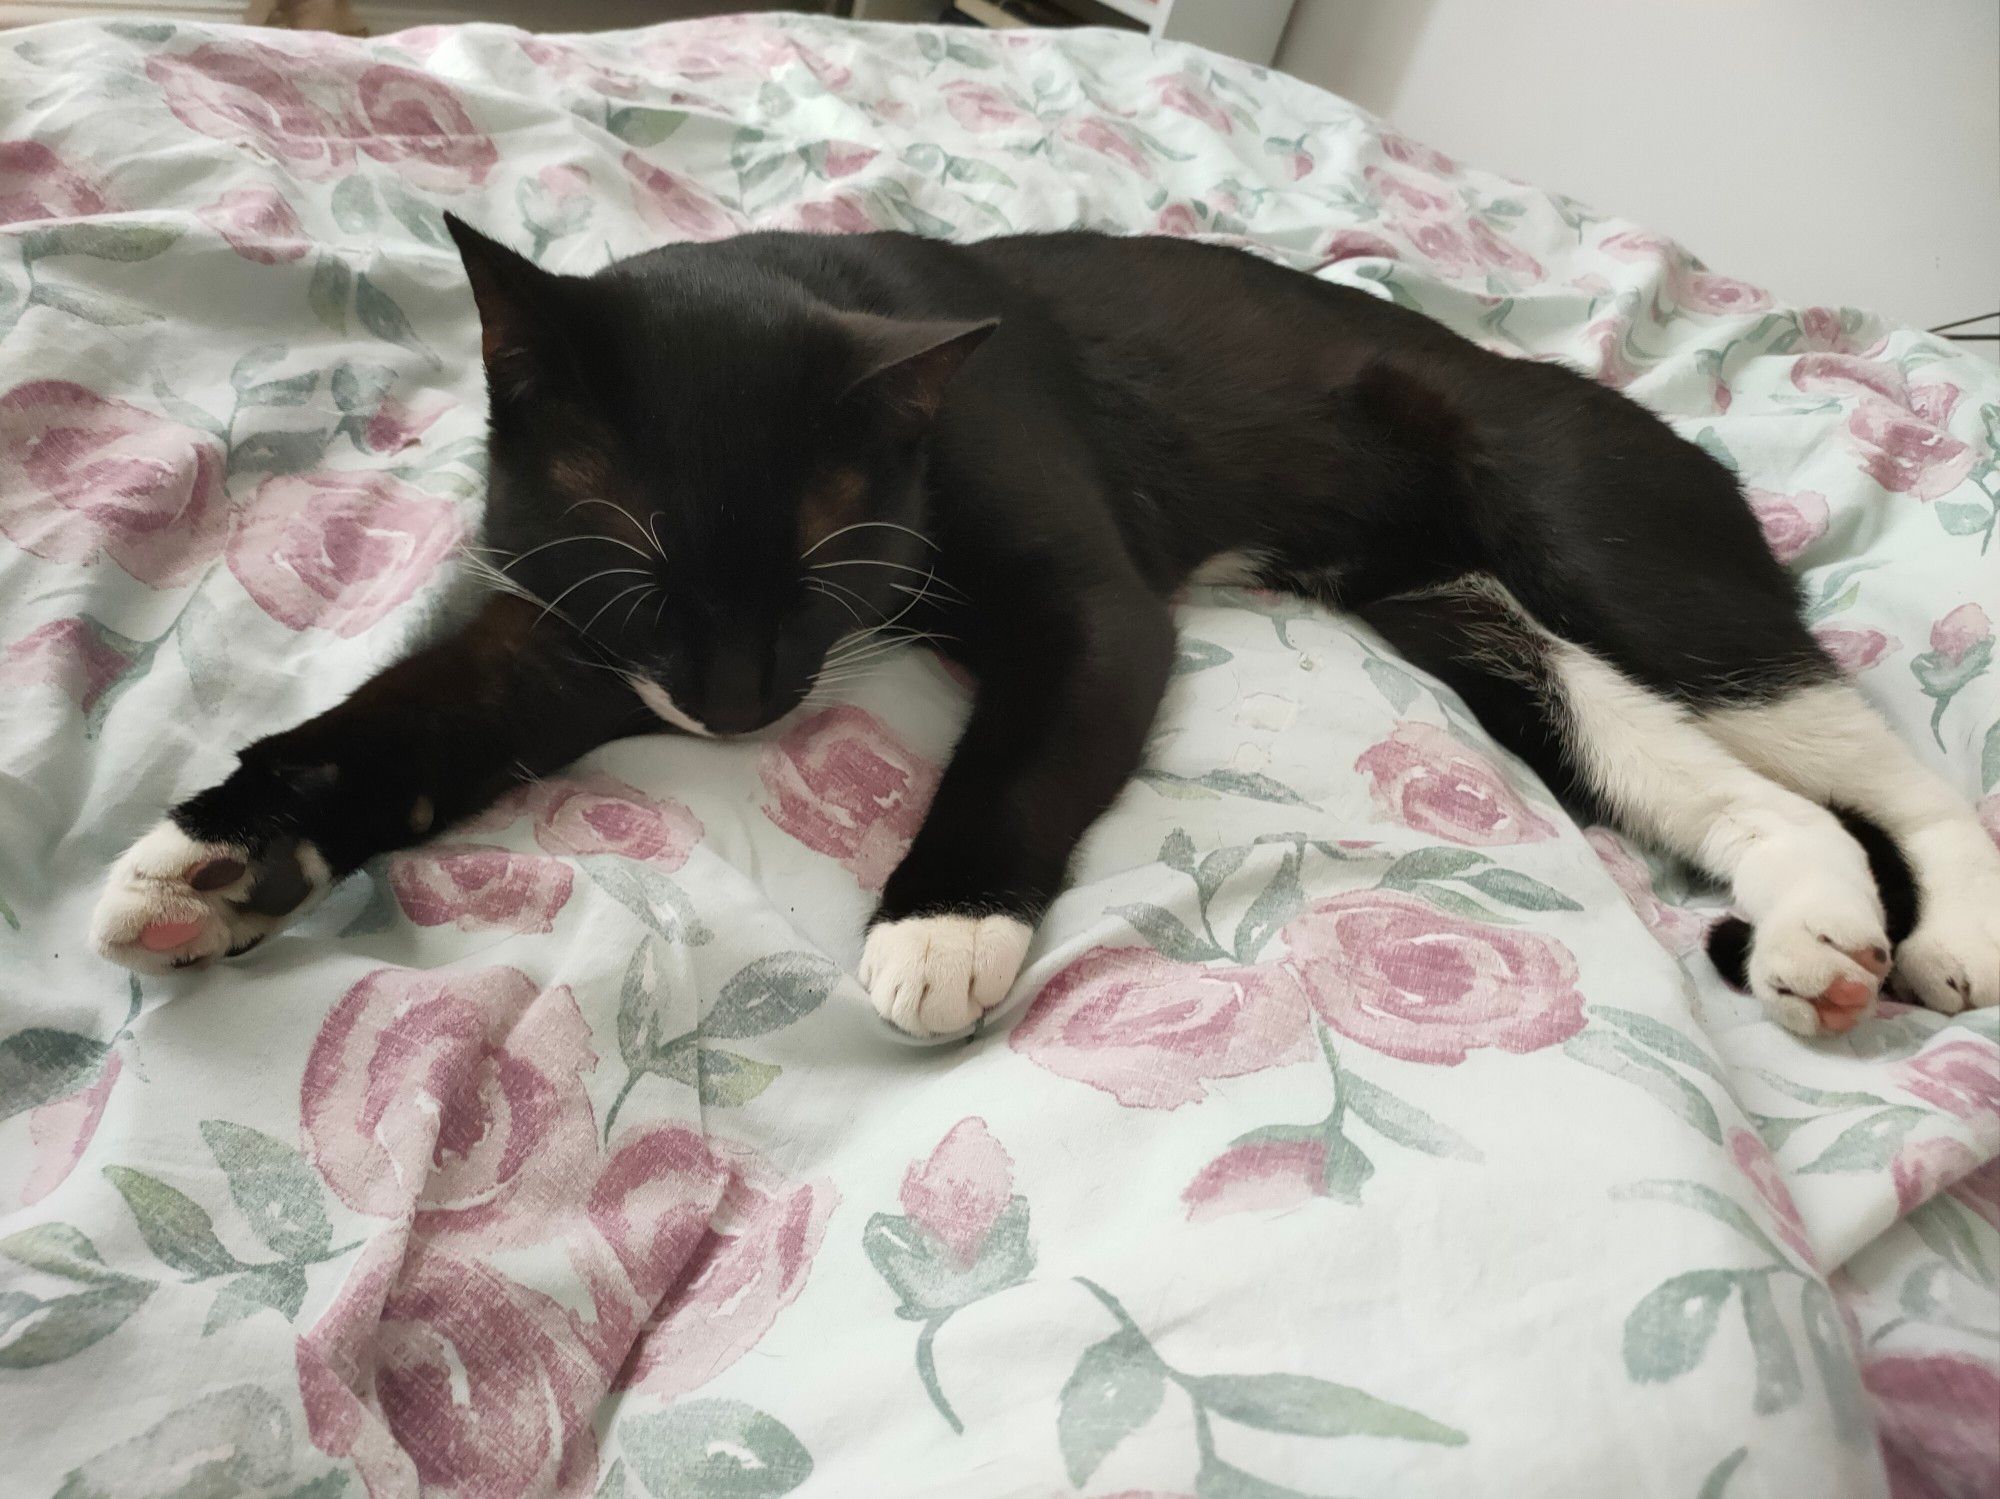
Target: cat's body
column 1018, row 450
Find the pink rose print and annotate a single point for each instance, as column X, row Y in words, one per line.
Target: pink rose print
column 1989, row 816
column 843, row 213
column 671, row 205
column 599, row 814
column 1791, row 522
column 61, row 1130
column 1177, row 218
column 1257, row 1176
column 457, row 1095
column 652, row 1204
column 35, row 184
column 1855, row 650
column 1496, row 251
column 845, row 158
column 1151, row 1032
column 843, row 786
column 1753, row 1159
column 68, row 654
column 1639, row 245
column 1960, row 632
column 1980, row 1191
column 417, row 125
column 1177, row 94
column 1703, row 291
column 1960, row 1075
column 1403, row 978
column 442, row 1373
column 750, row 1266
column 1607, row 337
column 1679, row 931
column 480, row 889
column 242, row 92
column 980, row 107
column 1105, row 139
column 1934, row 1417
column 81, row 475
column 1926, row 1167
column 338, row 552
column 396, row 426
column 258, row 224
column 1411, row 154
column 1447, row 251
column 1898, row 429
column 960, row 1191
column 1423, row 778
column 1355, row 244
column 1401, row 192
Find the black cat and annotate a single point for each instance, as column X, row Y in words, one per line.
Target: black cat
column 723, row 470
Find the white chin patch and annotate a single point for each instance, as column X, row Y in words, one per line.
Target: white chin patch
column 655, row 697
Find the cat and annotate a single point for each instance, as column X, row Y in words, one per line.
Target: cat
column 725, row 472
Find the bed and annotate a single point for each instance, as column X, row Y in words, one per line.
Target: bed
column 1362, row 1124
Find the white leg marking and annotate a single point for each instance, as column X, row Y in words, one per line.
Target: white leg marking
column 1229, row 570
column 933, row 976
column 1828, row 744
column 153, row 917
column 655, row 697
column 1820, row 949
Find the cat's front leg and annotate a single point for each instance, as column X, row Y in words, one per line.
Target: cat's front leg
column 432, row 739
column 1054, row 736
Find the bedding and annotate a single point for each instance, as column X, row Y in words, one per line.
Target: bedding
column 1361, row 1125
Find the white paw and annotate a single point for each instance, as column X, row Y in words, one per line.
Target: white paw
column 171, row 902
column 934, row 976
column 1817, row 960
column 1951, row 961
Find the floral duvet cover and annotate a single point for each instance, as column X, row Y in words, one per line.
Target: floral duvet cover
column 1362, row 1125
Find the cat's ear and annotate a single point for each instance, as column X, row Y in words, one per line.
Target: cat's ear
column 509, row 289
column 907, row 366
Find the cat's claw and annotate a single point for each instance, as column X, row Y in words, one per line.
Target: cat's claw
column 932, row 977
column 172, row 901
column 1951, row 962
column 1818, row 962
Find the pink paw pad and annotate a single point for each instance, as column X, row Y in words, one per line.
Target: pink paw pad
column 164, row 936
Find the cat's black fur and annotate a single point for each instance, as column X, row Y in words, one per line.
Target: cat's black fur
column 1031, row 443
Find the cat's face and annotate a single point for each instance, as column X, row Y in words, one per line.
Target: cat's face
column 710, row 477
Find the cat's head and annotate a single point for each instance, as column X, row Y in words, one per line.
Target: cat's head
column 708, row 473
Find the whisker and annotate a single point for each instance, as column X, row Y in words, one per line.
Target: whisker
column 861, row 525
column 586, row 536
column 639, row 588
column 817, row 587
column 626, row 622
column 551, row 607
column 929, row 575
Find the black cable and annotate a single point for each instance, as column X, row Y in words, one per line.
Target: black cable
column 1961, row 322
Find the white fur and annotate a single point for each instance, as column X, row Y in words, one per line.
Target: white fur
column 655, row 697
column 934, row 976
column 1793, row 870
column 149, row 885
column 1826, row 743
column 1229, row 570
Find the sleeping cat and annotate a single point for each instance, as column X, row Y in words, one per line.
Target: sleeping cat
column 723, row 473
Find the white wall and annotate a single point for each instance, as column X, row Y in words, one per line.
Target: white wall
column 1837, row 151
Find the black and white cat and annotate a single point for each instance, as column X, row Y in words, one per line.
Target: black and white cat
column 721, row 472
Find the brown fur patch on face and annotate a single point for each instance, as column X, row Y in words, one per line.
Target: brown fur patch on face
column 580, row 476
column 831, row 501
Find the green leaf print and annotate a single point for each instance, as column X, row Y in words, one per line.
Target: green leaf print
column 1402, row 1123
column 966, row 169
column 769, row 994
column 727, row 1080
column 1248, row 783
column 1779, row 1384
column 186, row 412
column 91, row 306
column 40, row 1064
column 1220, row 1480
column 1165, row 933
column 355, row 207
column 1512, row 888
column 1835, row 1359
column 1347, row 1169
column 279, row 1193
column 380, row 315
column 1868, row 1144
column 612, row 1485
column 233, row 1441
column 55, row 1330
column 175, row 1227
column 294, row 390
column 1717, row 1482
column 1395, row 684
column 649, row 895
column 1668, row 1332
column 1663, row 1039
column 1430, row 864
column 1989, row 760
column 923, row 1272
column 327, row 292
column 1705, row 1199
column 99, row 241
column 1215, row 869
column 1455, row 903
column 1177, row 851
column 57, row 1249
column 1946, row 1228
column 278, row 452
column 642, row 125
column 1277, row 903
column 1305, row 1406
column 1960, row 518
column 1613, row 1054
column 719, row 1449
column 1191, row 655
column 1115, row 1389
column 279, row 1288
column 425, row 223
